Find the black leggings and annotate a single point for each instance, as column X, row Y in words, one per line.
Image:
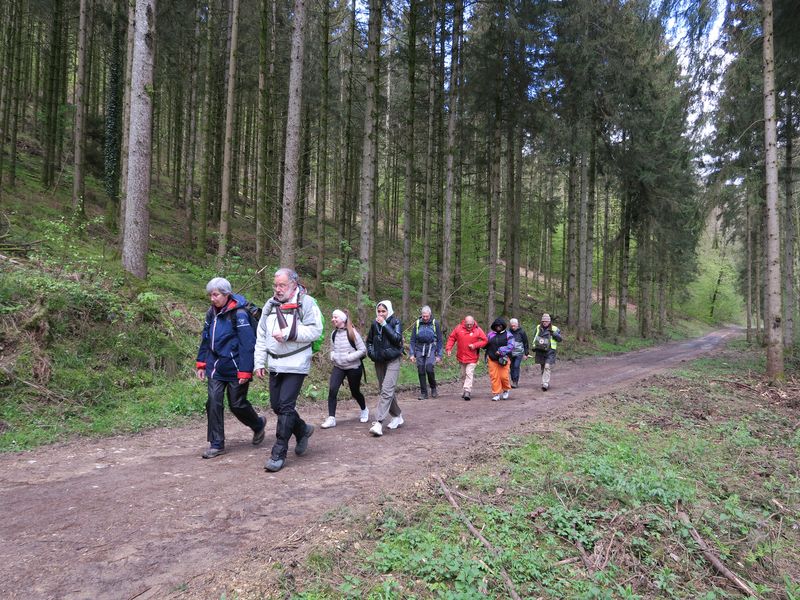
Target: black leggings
column 336, row 380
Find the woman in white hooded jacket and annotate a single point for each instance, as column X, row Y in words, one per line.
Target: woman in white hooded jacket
column 347, row 354
column 385, row 349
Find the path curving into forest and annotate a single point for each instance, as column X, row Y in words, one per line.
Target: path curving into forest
column 139, row 516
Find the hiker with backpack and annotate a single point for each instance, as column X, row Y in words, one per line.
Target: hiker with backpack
column 425, row 349
column 290, row 323
column 498, row 356
column 347, row 355
column 225, row 361
column 385, row 349
column 521, row 350
column 545, row 343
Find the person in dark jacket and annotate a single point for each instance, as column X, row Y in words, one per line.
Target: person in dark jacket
column 521, row 350
column 225, row 360
column 425, row 349
column 385, row 349
column 545, row 343
column 498, row 354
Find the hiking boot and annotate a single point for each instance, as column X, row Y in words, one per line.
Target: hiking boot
column 302, row 443
column 496, row 398
column 364, row 415
column 465, row 396
column 212, row 452
column 396, row 422
column 434, row 392
column 376, row 429
column 258, row 436
column 423, row 396
column 328, row 423
column 505, row 395
column 544, row 387
column 274, row 465
column 514, row 384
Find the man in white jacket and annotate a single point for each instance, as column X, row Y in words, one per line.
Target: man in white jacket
column 290, row 322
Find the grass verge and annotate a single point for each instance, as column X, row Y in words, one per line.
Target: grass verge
column 589, row 507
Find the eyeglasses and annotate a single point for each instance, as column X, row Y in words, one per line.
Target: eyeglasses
column 281, row 286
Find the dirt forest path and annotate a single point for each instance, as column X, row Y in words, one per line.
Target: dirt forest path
column 139, row 516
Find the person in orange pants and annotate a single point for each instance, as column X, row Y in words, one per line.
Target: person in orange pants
column 498, row 354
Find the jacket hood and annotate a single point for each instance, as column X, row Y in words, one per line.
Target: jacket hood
column 388, row 305
column 499, row 322
column 235, row 301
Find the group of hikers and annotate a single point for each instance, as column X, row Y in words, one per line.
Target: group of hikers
column 239, row 341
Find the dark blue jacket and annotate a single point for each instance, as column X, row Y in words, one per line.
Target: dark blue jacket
column 228, row 342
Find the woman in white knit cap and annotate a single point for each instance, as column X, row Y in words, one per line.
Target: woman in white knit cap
column 347, row 353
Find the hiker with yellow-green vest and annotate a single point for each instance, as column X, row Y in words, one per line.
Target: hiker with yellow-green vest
column 545, row 343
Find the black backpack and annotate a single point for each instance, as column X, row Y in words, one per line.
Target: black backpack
column 253, row 314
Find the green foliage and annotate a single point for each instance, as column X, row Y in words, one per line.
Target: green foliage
column 610, row 483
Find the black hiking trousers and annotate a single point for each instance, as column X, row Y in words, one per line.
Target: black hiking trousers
column 239, row 404
column 284, row 388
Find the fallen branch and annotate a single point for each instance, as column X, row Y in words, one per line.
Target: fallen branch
column 506, row 579
column 741, row 385
column 713, row 559
column 585, row 557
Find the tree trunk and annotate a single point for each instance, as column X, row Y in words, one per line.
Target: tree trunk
column 624, row 257
column 367, row 183
column 291, row 173
column 427, row 216
column 126, row 113
column 772, row 320
column 790, row 301
column 208, row 136
column 572, row 250
column 749, row 258
column 322, row 188
column 191, row 135
column 78, row 188
column 451, row 182
column 587, row 267
column 495, row 201
column 606, row 253
column 227, row 151
column 137, row 224
column 409, row 196
column 113, row 124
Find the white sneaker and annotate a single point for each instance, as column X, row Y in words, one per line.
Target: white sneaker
column 505, row 395
column 376, row 429
column 496, row 398
column 328, row 423
column 396, row 422
column 364, row 415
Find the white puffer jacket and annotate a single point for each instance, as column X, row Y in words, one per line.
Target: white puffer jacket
column 293, row 356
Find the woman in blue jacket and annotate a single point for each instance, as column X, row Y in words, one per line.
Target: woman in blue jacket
column 225, row 359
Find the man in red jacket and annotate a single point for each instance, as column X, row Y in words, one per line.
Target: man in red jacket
column 470, row 339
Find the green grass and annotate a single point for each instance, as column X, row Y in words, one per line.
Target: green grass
column 611, row 483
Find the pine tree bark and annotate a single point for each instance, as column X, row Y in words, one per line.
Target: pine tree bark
column 135, row 240
column 367, row 183
column 789, row 298
column 774, row 329
column 291, row 172
column 191, row 135
column 427, row 217
column 410, row 183
column 322, row 188
column 208, row 135
column 228, row 149
column 451, row 183
column 126, row 113
column 78, row 186
column 572, row 234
